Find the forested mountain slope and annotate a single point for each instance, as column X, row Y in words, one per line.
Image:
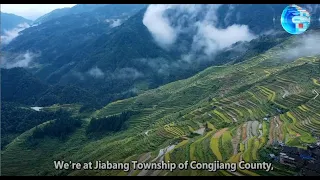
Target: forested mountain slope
column 217, row 114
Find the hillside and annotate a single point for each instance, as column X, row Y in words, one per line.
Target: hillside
column 113, row 61
column 20, row 86
column 11, row 21
column 217, row 114
column 20, row 91
column 77, row 9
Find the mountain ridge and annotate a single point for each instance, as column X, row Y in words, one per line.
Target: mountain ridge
column 79, row 8
column 10, row 21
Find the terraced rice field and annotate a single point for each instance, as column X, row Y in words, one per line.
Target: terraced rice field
column 247, row 132
column 252, row 105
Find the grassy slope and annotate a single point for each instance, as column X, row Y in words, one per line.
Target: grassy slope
column 241, row 93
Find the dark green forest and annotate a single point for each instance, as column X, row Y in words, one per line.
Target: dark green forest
column 60, row 127
column 16, row 119
column 109, row 124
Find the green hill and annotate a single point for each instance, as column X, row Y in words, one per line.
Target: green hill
column 216, row 114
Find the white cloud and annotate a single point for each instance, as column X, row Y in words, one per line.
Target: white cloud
column 31, row 11
column 170, row 24
column 159, row 25
column 126, row 73
column 213, row 39
column 115, row 23
column 304, row 45
column 167, row 22
column 9, row 35
column 231, row 8
column 22, row 60
column 96, row 72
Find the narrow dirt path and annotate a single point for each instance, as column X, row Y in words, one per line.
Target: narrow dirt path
column 143, row 172
column 142, row 159
column 241, row 157
column 317, row 94
column 200, row 131
column 286, row 92
column 249, row 134
column 156, row 172
column 219, row 133
column 236, row 140
column 232, row 116
column 235, row 173
column 260, row 130
column 146, row 133
column 255, row 128
column 279, row 129
column 244, row 132
column 271, row 132
column 145, row 157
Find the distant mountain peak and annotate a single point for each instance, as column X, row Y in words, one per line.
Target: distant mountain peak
column 77, row 9
column 11, row 25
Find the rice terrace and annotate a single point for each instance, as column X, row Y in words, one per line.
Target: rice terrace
column 260, row 107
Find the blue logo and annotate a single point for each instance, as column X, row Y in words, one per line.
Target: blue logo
column 295, row 20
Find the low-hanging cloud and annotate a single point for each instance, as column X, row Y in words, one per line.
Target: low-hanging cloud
column 23, row 60
column 115, row 23
column 193, row 30
column 227, row 18
column 167, row 22
column 304, row 45
column 165, row 67
column 9, row 35
column 118, row 74
column 212, row 39
column 159, row 65
column 126, row 73
column 96, row 72
column 159, row 26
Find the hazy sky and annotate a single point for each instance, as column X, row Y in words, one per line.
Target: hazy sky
column 31, row 11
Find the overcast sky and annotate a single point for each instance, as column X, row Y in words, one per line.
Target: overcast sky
column 31, row 11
